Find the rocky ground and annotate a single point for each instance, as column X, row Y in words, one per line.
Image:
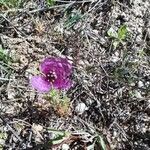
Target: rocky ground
column 108, row 43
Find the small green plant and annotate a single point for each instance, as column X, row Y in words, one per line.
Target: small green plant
column 3, row 137
column 53, row 81
column 61, row 136
column 4, row 57
column 72, row 19
column 50, row 2
column 127, row 71
column 141, row 53
column 59, row 101
column 10, row 3
column 101, row 142
column 124, row 74
column 118, row 36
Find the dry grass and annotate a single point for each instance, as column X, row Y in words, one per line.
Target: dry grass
column 113, row 83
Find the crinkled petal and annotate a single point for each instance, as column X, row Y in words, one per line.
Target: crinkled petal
column 40, row 84
column 56, row 64
column 66, row 65
column 67, row 84
column 64, row 84
column 47, row 65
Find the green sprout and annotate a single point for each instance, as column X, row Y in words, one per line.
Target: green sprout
column 72, row 19
column 10, row 3
column 50, row 2
column 4, row 57
column 6, row 69
column 59, row 101
column 101, row 142
column 118, row 36
column 61, row 136
column 3, row 137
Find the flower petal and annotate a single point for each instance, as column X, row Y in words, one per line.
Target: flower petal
column 66, row 65
column 47, row 65
column 64, row 84
column 40, row 84
column 56, row 64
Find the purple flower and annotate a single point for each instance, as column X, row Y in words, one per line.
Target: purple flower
column 55, row 74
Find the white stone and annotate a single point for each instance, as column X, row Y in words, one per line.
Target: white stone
column 80, row 108
column 2, row 141
column 117, row 54
column 140, row 84
column 115, row 134
column 65, row 147
column 147, row 83
column 132, row 84
column 144, row 130
column 138, row 94
column 115, row 59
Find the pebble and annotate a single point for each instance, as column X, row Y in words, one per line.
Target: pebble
column 115, row 59
column 140, row 84
column 65, row 147
column 132, row 84
column 80, row 108
column 138, row 94
column 2, row 141
column 147, row 83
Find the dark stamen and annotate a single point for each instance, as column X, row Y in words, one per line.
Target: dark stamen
column 51, row 76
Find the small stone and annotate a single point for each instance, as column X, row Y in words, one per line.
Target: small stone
column 37, row 127
column 65, row 147
column 132, row 84
column 15, row 139
column 138, row 94
column 2, row 142
column 140, row 84
column 115, row 59
column 80, row 108
column 147, row 83
column 115, row 134
column 144, row 130
column 96, row 32
column 11, row 94
column 117, row 54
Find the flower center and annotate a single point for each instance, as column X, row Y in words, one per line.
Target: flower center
column 51, row 76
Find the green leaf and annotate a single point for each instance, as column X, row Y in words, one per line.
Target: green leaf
column 115, row 43
column 112, row 33
column 72, row 20
column 3, row 135
column 11, row 3
column 54, row 92
column 60, row 136
column 4, row 57
column 101, row 142
column 122, row 32
column 50, row 2
column 141, row 53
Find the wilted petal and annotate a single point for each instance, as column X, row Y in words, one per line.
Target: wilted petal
column 40, row 84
